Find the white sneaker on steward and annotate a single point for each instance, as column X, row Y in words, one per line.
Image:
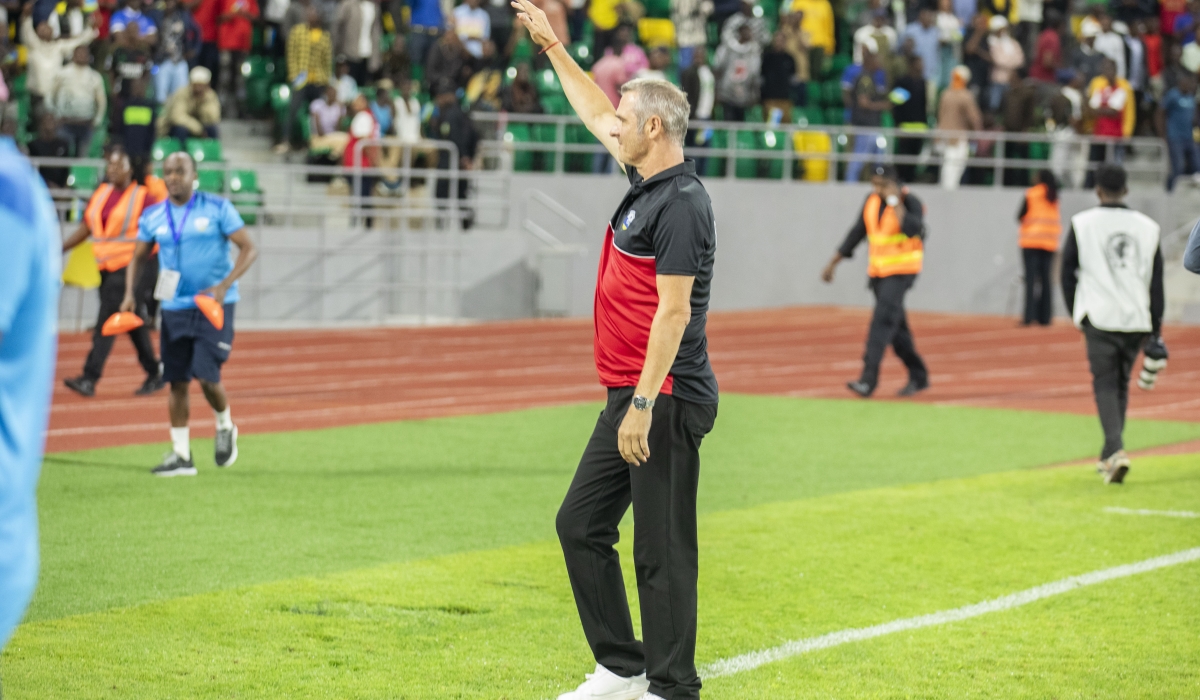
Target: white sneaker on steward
column 603, row 684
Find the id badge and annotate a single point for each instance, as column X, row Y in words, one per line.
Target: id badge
column 168, row 282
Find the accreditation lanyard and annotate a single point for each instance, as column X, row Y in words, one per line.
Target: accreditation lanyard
column 177, row 233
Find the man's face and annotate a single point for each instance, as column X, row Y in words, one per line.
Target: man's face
column 632, row 144
column 47, row 127
column 330, row 95
column 1106, row 23
column 927, row 18
column 135, row 5
column 1109, row 70
column 117, row 169
column 313, row 18
column 745, row 34
column 81, row 56
column 179, row 176
column 198, row 89
column 44, row 32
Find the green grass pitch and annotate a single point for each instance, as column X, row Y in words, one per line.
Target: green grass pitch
column 417, row 560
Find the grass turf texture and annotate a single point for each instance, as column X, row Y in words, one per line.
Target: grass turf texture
column 783, row 556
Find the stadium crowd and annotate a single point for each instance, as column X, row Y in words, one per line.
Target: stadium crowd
column 79, row 74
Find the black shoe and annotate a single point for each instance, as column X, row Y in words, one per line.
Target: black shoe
column 861, row 388
column 225, row 447
column 81, row 385
column 174, row 465
column 913, row 387
column 151, row 385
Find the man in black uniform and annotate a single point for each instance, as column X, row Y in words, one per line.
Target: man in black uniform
column 651, row 352
column 893, row 222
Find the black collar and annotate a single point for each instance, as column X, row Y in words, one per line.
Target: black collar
column 687, row 167
column 1116, row 205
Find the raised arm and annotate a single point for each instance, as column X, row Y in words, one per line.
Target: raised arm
column 589, row 101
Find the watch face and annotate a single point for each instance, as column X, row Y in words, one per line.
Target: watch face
column 639, row 402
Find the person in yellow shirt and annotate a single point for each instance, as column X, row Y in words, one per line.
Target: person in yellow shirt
column 818, row 23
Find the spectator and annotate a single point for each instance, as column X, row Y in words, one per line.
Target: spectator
column 347, row 86
column 605, row 19
column 1030, row 15
column 1153, row 43
column 1086, row 60
column 521, row 96
column 1047, row 54
column 950, row 37
column 1018, row 116
column 192, row 112
column 297, row 14
column 473, row 26
column 957, row 111
column 879, row 31
column 357, row 33
column 178, row 46
column 1007, row 57
column 691, row 19
column 1111, row 101
column 556, row 15
column 778, row 71
column 817, row 22
column 450, row 124
column 634, row 56
column 234, row 42
column 722, row 11
column 147, row 31
column 1177, row 117
column 50, row 144
column 500, row 17
column 408, row 113
column 1190, row 55
column 660, row 63
column 1111, row 44
column 1067, row 158
column 134, row 121
column 747, row 17
column 205, row 13
column 45, row 56
column 701, row 87
column 1135, row 73
column 738, row 67
column 274, row 14
column 927, row 45
column 796, row 43
column 79, row 101
column 70, row 22
column 447, row 61
column 326, row 115
column 867, row 111
column 483, row 89
column 976, row 56
column 911, row 113
column 425, row 26
column 381, row 107
column 610, row 74
column 397, row 64
column 966, row 11
column 309, row 55
column 363, row 127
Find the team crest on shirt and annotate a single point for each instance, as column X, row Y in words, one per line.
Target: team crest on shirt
column 202, row 223
column 628, row 220
column 161, row 230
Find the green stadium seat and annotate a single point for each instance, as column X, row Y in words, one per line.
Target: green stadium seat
column 715, row 167
column 838, row 65
column 547, row 83
column 211, row 181
column 658, row 9
column 831, row 92
column 581, row 51
column 746, row 167
column 83, row 177
column 204, row 150
column 244, row 193
column 418, row 74
column 522, row 158
column 522, row 52
column 280, row 96
column 243, row 182
column 578, row 162
column 813, row 92
column 164, row 147
column 544, row 158
column 834, row 116
column 556, row 104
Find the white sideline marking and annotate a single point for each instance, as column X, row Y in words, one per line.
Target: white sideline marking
column 746, row 662
column 1143, row 511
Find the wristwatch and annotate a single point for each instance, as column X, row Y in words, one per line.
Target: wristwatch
column 641, row 403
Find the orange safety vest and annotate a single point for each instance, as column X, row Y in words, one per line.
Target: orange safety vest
column 890, row 252
column 113, row 243
column 1041, row 226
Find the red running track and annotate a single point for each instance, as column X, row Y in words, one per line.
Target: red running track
column 297, row 380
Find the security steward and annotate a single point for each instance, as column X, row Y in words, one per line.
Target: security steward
column 651, row 303
column 1112, row 281
column 893, row 223
column 1041, row 227
column 111, row 220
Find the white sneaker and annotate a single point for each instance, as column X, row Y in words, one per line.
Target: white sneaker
column 651, row 696
column 603, row 684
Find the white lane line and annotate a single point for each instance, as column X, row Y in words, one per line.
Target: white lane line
column 747, row 662
column 1143, row 511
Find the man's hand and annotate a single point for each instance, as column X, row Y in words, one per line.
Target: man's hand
column 128, row 303
column 827, row 273
column 891, row 189
column 633, row 437
column 535, row 22
column 217, row 292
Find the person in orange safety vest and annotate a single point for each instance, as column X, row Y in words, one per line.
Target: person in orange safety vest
column 893, row 222
column 1041, row 228
column 111, row 222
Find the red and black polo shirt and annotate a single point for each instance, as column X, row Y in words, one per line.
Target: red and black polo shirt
column 663, row 226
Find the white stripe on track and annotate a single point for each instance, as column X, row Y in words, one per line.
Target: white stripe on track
column 747, row 662
column 1143, row 511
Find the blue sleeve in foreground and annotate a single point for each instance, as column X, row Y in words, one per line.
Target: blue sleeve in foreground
column 17, row 240
column 1191, row 256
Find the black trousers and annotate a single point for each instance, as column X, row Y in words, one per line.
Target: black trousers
column 112, row 293
column 1038, row 290
column 1111, row 356
column 889, row 326
column 908, row 147
column 663, row 494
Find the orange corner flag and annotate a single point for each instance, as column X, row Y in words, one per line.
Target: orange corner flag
column 121, row 322
column 213, row 311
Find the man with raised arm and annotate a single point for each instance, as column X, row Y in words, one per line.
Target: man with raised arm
column 651, row 352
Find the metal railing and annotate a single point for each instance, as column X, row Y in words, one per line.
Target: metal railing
column 788, row 151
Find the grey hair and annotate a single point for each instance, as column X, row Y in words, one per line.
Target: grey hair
column 659, row 98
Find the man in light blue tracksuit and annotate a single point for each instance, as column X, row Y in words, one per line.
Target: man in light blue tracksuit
column 29, row 284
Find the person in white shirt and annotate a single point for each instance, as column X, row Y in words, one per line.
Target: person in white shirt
column 885, row 37
column 473, row 25
column 79, row 100
column 1112, row 282
column 46, row 54
column 408, row 113
column 326, row 113
column 1111, row 44
column 1007, row 57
